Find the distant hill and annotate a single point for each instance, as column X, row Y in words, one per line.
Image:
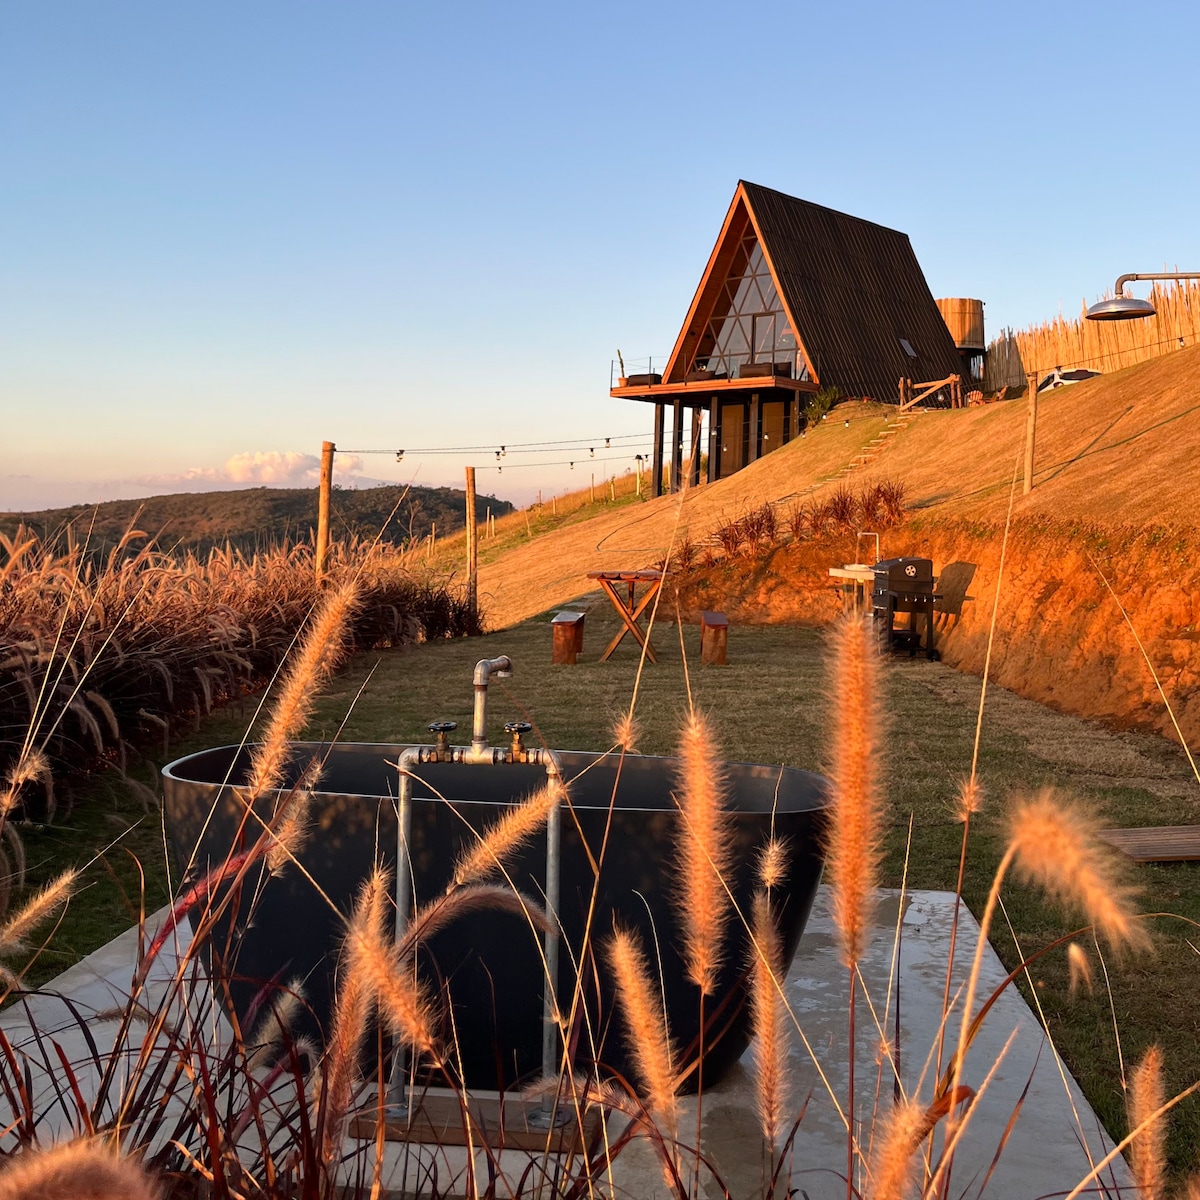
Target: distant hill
column 251, row 518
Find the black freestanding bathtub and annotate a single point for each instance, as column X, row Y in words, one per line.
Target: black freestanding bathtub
column 490, row 961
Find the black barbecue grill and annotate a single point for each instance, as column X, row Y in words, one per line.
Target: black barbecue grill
column 904, row 585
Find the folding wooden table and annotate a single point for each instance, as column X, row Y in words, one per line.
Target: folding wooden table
column 630, row 613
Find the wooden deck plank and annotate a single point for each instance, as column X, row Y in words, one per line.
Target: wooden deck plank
column 1157, row 843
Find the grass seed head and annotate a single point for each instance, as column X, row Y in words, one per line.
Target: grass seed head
column 311, row 666
column 970, row 798
column 508, row 833
column 773, row 863
column 893, row 1164
column 768, row 1019
column 1056, row 844
column 627, row 732
column 1080, row 968
column 704, row 851
column 854, row 837
column 1148, row 1150
column 75, row 1171
column 645, row 1025
column 40, row 907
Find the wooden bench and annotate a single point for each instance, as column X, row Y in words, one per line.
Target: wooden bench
column 714, row 634
column 568, row 636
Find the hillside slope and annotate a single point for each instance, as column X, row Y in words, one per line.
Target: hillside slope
column 1114, row 450
column 252, row 518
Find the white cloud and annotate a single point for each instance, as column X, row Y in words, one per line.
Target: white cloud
column 250, row 468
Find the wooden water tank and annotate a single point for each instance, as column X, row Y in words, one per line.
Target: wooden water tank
column 964, row 319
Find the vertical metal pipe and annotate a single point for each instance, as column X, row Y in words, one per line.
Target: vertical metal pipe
column 396, row 1080
column 550, row 991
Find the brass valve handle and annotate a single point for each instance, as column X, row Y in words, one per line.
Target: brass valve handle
column 442, row 730
column 517, row 729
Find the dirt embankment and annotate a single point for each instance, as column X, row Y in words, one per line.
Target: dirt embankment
column 1060, row 635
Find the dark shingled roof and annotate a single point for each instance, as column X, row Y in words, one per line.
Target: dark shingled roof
column 853, row 289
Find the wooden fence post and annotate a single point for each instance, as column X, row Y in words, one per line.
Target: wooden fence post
column 323, row 494
column 472, row 543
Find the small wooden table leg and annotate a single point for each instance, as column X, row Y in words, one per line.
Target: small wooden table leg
column 630, row 616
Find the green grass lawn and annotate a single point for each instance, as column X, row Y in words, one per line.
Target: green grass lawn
column 769, row 705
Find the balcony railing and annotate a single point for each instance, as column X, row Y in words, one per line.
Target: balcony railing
column 646, row 372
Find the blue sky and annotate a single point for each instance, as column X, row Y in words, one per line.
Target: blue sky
column 232, row 231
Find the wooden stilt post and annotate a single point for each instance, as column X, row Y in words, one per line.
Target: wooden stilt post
column 1030, row 431
column 323, row 495
column 677, row 445
column 656, row 457
column 714, row 430
column 697, row 425
column 472, row 543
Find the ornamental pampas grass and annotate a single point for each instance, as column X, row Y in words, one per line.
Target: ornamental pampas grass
column 645, row 1026
column 75, row 1171
column 856, row 827
column 1056, row 845
column 1148, row 1150
column 704, row 852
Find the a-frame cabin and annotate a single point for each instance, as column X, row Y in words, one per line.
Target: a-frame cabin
column 795, row 297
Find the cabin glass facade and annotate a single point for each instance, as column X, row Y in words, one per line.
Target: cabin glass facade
column 749, row 328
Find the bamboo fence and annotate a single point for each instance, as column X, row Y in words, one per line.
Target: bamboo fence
column 1098, row 345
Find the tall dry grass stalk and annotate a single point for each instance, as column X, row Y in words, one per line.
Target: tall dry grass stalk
column 1056, row 845
column 645, row 1027
column 508, row 833
column 312, row 665
column 768, row 1020
column 1148, row 1150
column 856, row 827
column 704, row 851
column 80, row 1170
column 351, row 1011
column 40, row 907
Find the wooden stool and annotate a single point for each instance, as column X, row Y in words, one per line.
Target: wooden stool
column 568, row 636
column 714, row 633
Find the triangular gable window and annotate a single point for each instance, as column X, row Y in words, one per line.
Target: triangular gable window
column 748, row 329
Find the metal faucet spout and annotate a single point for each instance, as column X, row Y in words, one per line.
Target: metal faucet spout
column 485, row 668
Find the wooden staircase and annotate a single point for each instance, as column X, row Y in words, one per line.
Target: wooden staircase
column 875, row 446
